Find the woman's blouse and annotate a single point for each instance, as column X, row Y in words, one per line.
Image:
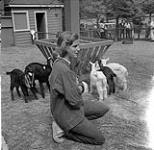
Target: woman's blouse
column 65, row 96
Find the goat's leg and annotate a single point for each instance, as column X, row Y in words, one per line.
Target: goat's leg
column 18, row 92
column 42, row 89
column 91, row 86
column 34, row 87
column 104, row 88
column 34, row 92
column 48, row 85
column 113, row 86
column 100, row 90
column 11, row 90
column 109, row 86
column 25, row 93
column 104, row 93
column 124, row 85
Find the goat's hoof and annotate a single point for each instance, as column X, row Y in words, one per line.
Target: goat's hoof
column 35, row 96
column 109, row 93
column 101, row 100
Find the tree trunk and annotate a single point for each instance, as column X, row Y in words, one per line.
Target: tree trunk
column 97, row 20
column 117, row 29
column 150, row 17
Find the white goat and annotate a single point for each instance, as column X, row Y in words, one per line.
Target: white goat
column 98, row 80
column 120, row 71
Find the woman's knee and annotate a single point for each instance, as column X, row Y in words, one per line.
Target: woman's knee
column 103, row 109
column 95, row 109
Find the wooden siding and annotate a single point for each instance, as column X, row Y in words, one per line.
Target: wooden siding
column 55, row 20
column 22, row 38
column 54, row 24
column 7, row 31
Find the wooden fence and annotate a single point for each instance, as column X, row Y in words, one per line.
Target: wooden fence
column 137, row 33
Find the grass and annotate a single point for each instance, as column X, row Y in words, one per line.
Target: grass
column 28, row 126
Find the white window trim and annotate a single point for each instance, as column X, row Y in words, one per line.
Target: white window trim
column 46, row 22
column 27, row 17
column 48, row 6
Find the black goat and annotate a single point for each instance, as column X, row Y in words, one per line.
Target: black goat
column 19, row 79
column 41, row 73
column 109, row 76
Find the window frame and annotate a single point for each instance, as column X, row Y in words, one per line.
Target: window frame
column 27, row 18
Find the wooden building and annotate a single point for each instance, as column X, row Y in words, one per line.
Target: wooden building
column 23, row 16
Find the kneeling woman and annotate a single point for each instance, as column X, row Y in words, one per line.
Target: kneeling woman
column 69, row 110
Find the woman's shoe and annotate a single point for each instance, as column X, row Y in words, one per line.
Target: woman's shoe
column 57, row 133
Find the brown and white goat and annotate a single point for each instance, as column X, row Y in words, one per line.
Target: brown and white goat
column 121, row 74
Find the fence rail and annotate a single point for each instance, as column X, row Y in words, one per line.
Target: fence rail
column 136, row 33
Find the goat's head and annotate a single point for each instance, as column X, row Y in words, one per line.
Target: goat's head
column 29, row 79
column 52, row 58
column 94, row 66
column 104, row 61
column 50, row 61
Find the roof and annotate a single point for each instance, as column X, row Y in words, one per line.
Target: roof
column 33, row 2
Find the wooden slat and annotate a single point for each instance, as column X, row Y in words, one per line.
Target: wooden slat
column 93, row 55
column 45, row 43
column 45, row 51
column 48, row 52
column 94, row 44
column 41, row 49
column 97, row 54
column 91, row 51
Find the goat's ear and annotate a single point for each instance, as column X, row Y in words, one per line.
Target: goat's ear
column 99, row 61
column 96, row 62
column 49, row 58
column 107, row 59
column 97, row 65
column 91, row 63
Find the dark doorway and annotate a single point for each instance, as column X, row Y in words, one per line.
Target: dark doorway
column 41, row 25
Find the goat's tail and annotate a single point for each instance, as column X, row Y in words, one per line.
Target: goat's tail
column 8, row 73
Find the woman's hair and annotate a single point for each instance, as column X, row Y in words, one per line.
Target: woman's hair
column 65, row 39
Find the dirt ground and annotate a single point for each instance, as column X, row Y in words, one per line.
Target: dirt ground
column 28, row 126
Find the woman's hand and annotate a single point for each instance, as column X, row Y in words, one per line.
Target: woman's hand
column 83, row 86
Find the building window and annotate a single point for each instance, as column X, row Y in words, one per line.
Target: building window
column 20, row 20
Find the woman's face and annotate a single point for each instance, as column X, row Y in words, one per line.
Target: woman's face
column 74, row 49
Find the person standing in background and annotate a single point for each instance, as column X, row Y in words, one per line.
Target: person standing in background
column 152, row 30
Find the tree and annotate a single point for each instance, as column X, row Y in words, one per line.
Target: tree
column 92, row 8
column 120, row 9
column 148, row 7
column 115, row 8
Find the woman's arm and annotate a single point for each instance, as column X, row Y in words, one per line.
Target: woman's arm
column 72, row 91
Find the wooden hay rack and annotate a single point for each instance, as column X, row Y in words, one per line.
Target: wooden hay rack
column 90, row 51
